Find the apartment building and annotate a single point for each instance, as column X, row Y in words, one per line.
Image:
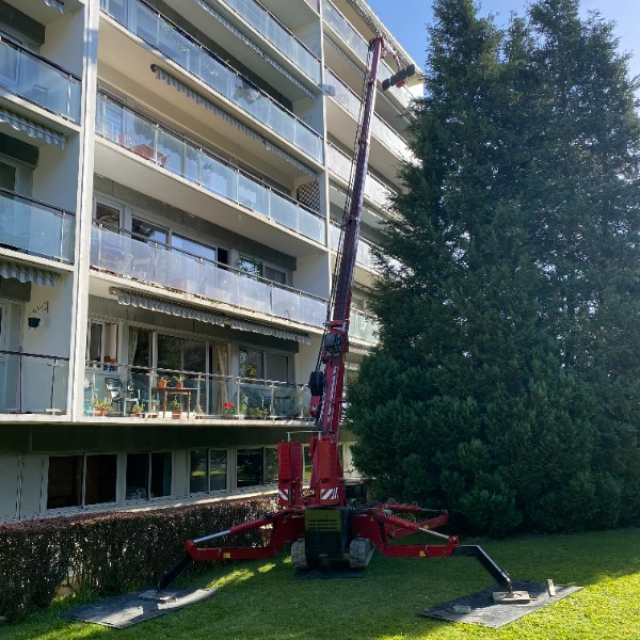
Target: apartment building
column 172, row 179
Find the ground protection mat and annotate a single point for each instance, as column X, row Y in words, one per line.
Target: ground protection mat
column 124, row 611
column 327, row 574
column 479, row 608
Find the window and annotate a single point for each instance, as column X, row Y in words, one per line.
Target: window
column 102, row 339
column 250, row 467
column 148, row 475
column 259, row 365
column 76, row 481
column 149, row 232
column 193, row 247
column 108, row 216
column 208, row 470
column 254, row 267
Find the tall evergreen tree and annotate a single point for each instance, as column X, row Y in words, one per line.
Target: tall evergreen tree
column 501, row 385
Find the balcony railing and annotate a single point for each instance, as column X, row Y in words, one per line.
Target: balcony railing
column 364, row 252
column 363, row 327
column 265, row 23
column 195, row 164
column 340, row 164
column 334, row 18
column 36, row 228
column 382, row 131
column 121, row 388
column 39, row 81
column 33, row 383
column 161, row 34
column 155, row 263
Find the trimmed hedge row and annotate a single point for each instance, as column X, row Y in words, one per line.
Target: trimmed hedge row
column 106, row 553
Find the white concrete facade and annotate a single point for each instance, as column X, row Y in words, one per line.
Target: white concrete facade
column 172, row 174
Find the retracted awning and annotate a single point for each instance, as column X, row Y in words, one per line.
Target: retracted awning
column 31, row 128
column 164, row 306
column 28, row 273
column 253, row 327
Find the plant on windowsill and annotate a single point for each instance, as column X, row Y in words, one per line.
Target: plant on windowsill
column 176, row 408
column 103, row 407
column 258, row 413
column 180, row 378
column 228, row 410
column 199, row 412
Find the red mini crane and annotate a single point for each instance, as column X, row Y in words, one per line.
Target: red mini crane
column 319, row 523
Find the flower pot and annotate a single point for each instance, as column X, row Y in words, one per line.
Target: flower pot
column 162, row 383
column 176, row 415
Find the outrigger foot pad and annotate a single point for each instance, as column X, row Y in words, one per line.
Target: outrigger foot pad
column 174, row 572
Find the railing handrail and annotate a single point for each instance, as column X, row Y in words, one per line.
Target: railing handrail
column 200, row 46
column 194, row 145
column 7, row 39
column 22, row 196
column 159, row 371
column 219, row 265
column 6, row 352
column 284, row 26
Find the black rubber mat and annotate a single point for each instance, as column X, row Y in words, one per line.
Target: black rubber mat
column 479, row 608
column 334, row 573
column 124, row 611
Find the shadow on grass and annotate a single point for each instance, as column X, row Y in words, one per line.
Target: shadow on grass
column 262, row 601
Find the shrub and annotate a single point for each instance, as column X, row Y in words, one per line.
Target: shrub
column 106, row 553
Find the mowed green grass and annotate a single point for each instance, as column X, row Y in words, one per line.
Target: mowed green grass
column 262, row 601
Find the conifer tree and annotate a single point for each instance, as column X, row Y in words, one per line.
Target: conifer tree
column 503, row 386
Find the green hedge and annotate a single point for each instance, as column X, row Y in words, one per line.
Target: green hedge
column 106, row 553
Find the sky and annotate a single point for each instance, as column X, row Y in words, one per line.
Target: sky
column 408, row 19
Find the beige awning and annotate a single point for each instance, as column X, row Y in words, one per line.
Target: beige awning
column 160, row 305
column 267, row 330
column 31, row 128
column 28, row 273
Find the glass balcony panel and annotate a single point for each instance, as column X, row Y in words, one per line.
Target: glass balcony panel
column 39, row 82
column 314, row 311
column 219, row 178
column 254, row 294
column 252, row 195
column 36, row 228
column 255, row 399
column 287, row 304
column 192, row 159
column 161, row 34
column 32, row 383
column 346, row 32
column 221, row 284
column 170, row 153
column 312, row 227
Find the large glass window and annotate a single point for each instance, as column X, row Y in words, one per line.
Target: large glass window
column 193, row 247
column 148, row 232
column 208, row 470
column 108, row 216
column 250, row 467
column 259, row 365
column 181, row 354
column 148, row 475
column 75, row 481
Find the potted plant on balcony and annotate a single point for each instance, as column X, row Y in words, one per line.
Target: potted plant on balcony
column 199, row 412
column 103, row 407
column 163, row 381
column 180, row 378
column 228, row 410
column 176, row 408
column 137, row 410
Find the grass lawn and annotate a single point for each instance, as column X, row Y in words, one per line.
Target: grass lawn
column 261, row 601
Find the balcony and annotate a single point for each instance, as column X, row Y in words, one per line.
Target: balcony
column 39, row 81
column 114, row 390
column 33, row 383
column 364, row 253
column 339, row 164
column 162, row 35
column 346, row 98
column 270, row 28
column 363, row 327
column 161, row 265
column 194, row 164
column 36, row 228
column 360, row 47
